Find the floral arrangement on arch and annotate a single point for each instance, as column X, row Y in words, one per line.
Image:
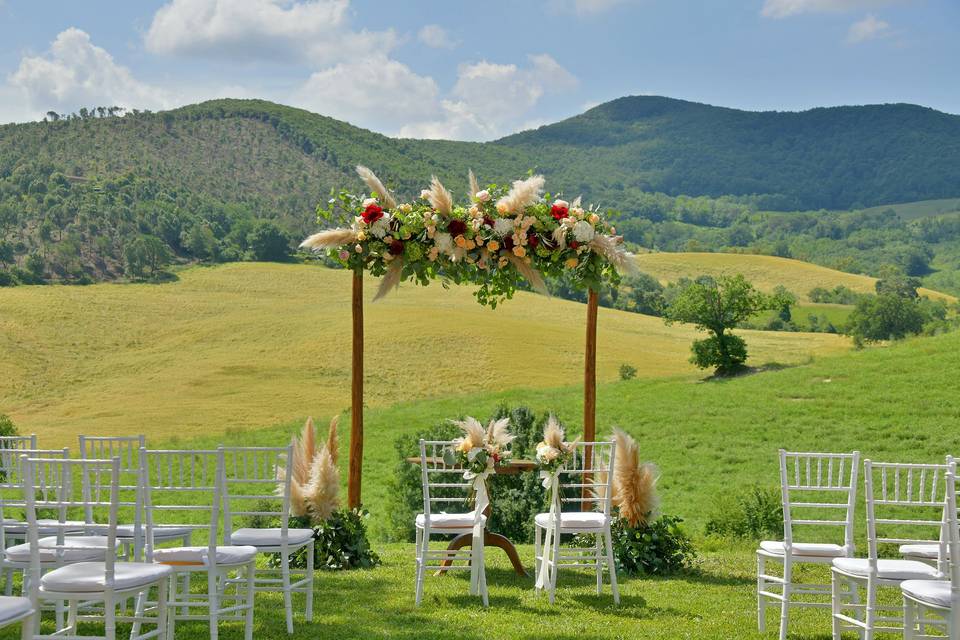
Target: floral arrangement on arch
column 480, row 450
column 553, row 452
column 500, row 238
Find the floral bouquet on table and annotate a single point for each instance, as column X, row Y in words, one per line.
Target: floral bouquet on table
column 479, row 451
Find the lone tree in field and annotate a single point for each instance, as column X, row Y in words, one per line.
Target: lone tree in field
column 717, row 306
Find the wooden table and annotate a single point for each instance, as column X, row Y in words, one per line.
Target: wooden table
column 491, row 539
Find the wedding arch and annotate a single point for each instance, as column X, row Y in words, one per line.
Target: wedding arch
column 500, row 239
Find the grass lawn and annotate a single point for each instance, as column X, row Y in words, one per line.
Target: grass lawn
column 246, row 345
column 715, row 601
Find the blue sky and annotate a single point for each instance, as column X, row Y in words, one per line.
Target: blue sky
column 475, row 70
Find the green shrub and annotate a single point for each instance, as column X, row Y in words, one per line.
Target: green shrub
column 660, row 547
column 340, row 543
column 756, row 513
column 7, row 428
column 7, row 279
column 627, row 372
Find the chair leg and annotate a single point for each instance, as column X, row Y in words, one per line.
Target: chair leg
column 72, row 617
column 26, row 628
column 8, row 582
column 172, row 609
column 761, row 601
column 612, row 565
column 422, row 546
column 909, row 619
column 308, row 611
column 871, row 610
column 785, row 602
column 251, row 595
column 553, row 565
column 213, row 600
column 287, row 596
column 537, row 551
column 835, row 605
column 482, row 575
column 162, row 587
column 109, row 617
column 598, row 560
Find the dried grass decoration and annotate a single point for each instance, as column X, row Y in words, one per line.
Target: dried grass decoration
column 315, row 479
column 500, row 240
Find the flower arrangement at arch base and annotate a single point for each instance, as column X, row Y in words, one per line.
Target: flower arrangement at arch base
column 498, row 240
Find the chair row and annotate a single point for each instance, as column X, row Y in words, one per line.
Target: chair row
column 910, row 507
column 134, row 505
column 584, row 486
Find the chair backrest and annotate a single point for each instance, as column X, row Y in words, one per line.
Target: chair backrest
column 818, row 490
column 444, row 488
column 906, row 504
column 586, row 480
column 127, row 448
column 49, row 488
column 18, row 442
column 183, row 489
column 953, row 534
column 12, row 482
column 256, row 482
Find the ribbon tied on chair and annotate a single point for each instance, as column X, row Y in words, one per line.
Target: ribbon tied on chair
column 551, row 482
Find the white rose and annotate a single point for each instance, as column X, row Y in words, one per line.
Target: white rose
column 503, row 227
column 368, row 202
column 482, row 196
column 380, row 227
column 425, row 193
column 561, row 203
column 444, row 242
column 583, row 231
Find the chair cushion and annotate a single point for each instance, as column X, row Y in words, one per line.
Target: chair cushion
column 12, row 607
column 44, row 527
column 929, row 551
column 450, row 520
column 78, row 549
column 199, row 555
column 574, row 520
column 887, row 569
column 270, row 537
column 89, row 577
column 815, row 549
column 935, row 592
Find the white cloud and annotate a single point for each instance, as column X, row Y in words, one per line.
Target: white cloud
column 786, row 8
column 312, row 31
column 75, row 73
column 585, row 7
column 869, row 28
column 374, row 92
column 435, row 36
column 490, row 100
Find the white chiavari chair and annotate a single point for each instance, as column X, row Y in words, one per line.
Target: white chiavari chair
column 905, row 505
column 818, row 493
column 257, row 485
column 929, row 553
column 186, row 487
column 48, row 486
column 14, row 609
column 586, row 480
column 444, row 487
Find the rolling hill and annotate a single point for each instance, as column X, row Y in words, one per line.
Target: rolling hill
column 765, row 272
column 248, row 345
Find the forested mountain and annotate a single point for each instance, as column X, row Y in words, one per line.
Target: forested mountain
column 98, row 195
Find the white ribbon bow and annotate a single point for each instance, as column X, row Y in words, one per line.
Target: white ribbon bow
column 552, row 536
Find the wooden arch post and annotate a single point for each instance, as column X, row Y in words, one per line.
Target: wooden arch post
column 356, row 395
column 590, row 385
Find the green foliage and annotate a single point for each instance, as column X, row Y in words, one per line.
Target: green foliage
column 268, row 242
column 755, row 514
column 146, row 256
column 627, row 372
column 885, row 317
column 7, row 428
column 717, row 306
column 658, row 548
column 838, row 295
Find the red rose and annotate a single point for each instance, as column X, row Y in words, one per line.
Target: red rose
column 457, row 227
column 558, row 212
column 533, row 240
column 487, row 220
column 396, row 247
column 574, row 244
column 372, row 213
column 508, row 243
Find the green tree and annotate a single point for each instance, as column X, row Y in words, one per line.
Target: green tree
column 36, row 265
column 887, row 316
column 717, row 306
column 200, row 241
column 268, row 242
column 146, row 255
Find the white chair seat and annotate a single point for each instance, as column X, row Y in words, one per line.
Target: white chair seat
column 934, row 592
column 44, row 527
column 88, row 577
column 270, row 537
column 128, row 531
column 813, row 549
column 12, row 607
column 198, row 556
column 450, row 520
column 574, row 520
column 78, row 549
column 928, row 551
column 887, row 569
